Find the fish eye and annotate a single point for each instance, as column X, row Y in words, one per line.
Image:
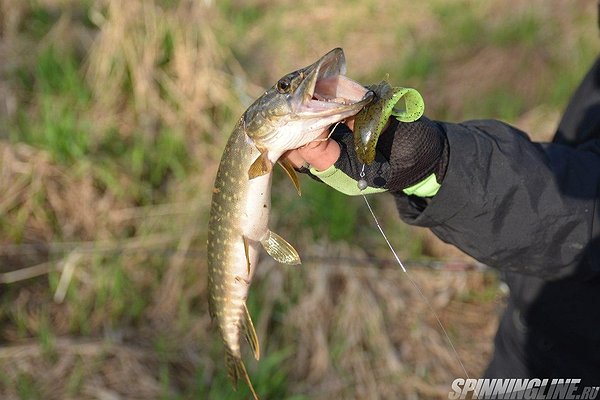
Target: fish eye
column 283, row 86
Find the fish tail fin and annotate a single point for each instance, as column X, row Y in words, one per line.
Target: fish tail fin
column 250, row 333
column 236, row 370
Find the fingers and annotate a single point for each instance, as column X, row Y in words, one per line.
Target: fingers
column 295, row 158
column 349, row 122
column 320, row 153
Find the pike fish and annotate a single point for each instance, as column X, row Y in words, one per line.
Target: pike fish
column 292, row 113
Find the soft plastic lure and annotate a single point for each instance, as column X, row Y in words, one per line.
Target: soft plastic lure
column 403, row 103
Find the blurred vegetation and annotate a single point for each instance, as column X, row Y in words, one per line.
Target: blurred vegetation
column 113, row 116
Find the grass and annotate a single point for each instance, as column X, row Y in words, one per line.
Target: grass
column 466, row 26
column 26, row 388
column 323, row 204
column 113, row 119
column 523, row 29
column 59, row 94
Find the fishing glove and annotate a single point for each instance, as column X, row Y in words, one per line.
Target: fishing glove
column 411, row 158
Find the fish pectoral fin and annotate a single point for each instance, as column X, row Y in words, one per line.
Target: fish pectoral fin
column 291, row 172
column 280, row 249
column 261, row 166
column 236, row 369
column 250, row 333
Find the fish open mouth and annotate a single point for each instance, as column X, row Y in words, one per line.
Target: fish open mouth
column 303, row 104
column 325, row 89
column 339, row 90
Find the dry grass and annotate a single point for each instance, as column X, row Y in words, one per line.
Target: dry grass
column 118, row 308
column 178, row 85
column 89, row 369
column 47, row 197
column 365, row 332
column 357, row 331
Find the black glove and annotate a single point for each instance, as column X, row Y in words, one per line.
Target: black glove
column 406, row 154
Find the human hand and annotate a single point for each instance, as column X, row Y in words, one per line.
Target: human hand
column 319, row 154
column 410, row 157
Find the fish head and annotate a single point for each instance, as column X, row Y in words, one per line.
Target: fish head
column 303, row 103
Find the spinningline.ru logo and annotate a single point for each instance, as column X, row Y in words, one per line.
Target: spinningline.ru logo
column 534, row 388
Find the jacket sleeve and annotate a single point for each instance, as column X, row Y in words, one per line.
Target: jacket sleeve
column 513, row 204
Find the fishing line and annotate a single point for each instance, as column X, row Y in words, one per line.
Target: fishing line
column 362, row 184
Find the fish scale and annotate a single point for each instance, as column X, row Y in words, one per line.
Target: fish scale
column 229, row 273
column 287, row 116
column 225, row 244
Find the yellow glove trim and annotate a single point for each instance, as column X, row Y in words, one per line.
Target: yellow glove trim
column 341, row 182
column 428, row 187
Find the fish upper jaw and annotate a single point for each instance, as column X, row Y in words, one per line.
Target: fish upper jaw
column 324, row 90
column 303, row 103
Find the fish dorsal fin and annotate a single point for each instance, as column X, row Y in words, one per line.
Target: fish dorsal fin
column 250, row 333
column 261, row 166
column 291, row 172
column 280, row 249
